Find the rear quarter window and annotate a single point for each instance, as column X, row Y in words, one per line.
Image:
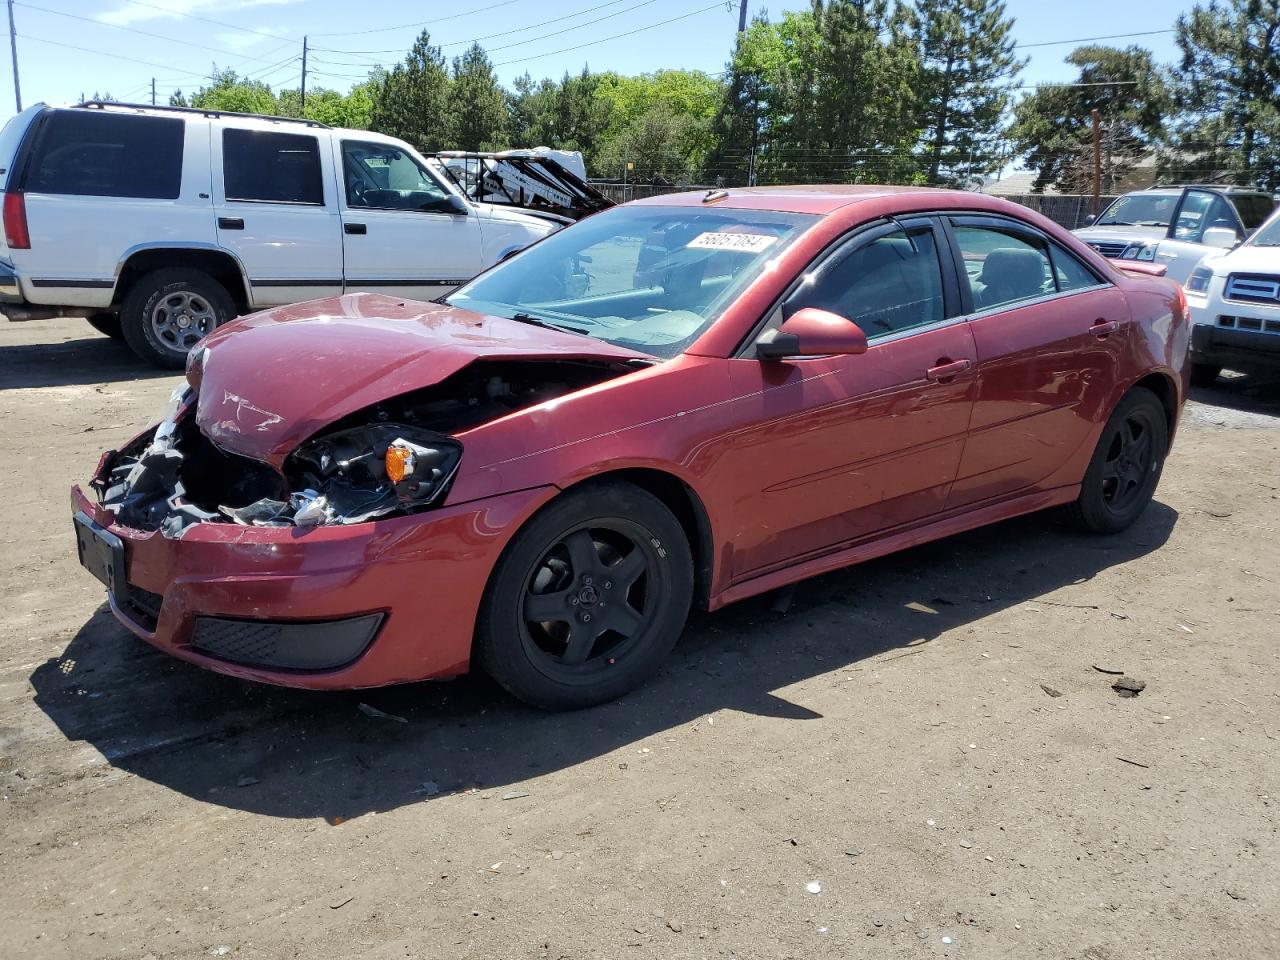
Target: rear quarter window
column 270, row 167
column 99, row 154
column 1253, row 209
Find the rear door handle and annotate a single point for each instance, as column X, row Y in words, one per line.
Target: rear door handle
column 1103, row 328
column 230, row 223
column 358, row 228
column 948, row 369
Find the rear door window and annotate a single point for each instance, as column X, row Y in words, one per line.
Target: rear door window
column 268, row 167
column 102, row 154
column 1253, row 209
column 1003, row 266
column 1200, row 211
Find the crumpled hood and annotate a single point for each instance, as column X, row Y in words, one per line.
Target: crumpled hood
column 268, row 381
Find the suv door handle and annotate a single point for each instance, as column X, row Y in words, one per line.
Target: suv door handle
column 1104, row 328
column 358, row 228
column 230, row 223
column 947, row 369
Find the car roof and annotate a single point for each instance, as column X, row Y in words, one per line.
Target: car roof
column 818, row 198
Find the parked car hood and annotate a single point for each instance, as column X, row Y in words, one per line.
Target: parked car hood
column 1118, row 233
column 268, row 381
column 1246, row 259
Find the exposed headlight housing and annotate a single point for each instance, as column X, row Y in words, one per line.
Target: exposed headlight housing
column 1198, row 283
column 364, row 472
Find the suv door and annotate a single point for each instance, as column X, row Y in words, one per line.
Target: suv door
column 1198, row 211
column 1050, row 335
column 839, row 448
column 401, row 235
column 275, row 202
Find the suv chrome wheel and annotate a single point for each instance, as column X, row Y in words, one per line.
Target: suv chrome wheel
column 183, row 318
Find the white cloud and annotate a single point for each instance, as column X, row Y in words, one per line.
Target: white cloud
column 243, row 42
column 127, row 13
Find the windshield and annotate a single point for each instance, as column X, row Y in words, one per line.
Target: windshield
column 1268, row 234
column 648, row 278
column 1140, row 209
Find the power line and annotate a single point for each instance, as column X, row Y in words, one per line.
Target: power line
column 422, row 23
column 104, row 53
column 144, row 33
column 491, row 36
column 616, row 36
column 1113, row 36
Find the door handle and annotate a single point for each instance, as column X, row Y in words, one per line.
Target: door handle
column 947, row 369
column 358, row 228
column 1104, row 328
column 230, row 223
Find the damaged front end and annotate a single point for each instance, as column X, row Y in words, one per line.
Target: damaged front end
column 398, row 456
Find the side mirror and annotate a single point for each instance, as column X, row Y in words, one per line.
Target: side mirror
column 455, row 204
column 1088, row 219
column 810, row 332
column 1224, row 238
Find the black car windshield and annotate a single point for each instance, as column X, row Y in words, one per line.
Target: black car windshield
column 649, row 278
column 1140, row 209
column 1268, row 234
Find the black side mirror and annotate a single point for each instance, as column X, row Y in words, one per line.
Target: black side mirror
column 457, row 205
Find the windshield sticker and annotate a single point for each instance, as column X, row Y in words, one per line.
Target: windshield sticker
column 741, row 242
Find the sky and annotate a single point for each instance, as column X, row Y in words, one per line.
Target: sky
column 69, row 48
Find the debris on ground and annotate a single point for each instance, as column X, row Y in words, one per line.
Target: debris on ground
column 1050, row 691
column 429, row 788
column 814, row 887
column 1133, row 763
column 782, row 600
column 341, row 904
column 1129, row 687
column 247, row 781
column 1101, row 669
column 374, row 712
column 514, row 795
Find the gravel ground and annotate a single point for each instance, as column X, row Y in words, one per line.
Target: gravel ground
column 922, row 757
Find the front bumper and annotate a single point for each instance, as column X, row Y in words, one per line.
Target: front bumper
column 1226, row 346
column 420, row 577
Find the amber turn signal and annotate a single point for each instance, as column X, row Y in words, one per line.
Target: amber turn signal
column 400, row 462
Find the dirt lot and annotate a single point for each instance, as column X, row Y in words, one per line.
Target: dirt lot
column 890, row 738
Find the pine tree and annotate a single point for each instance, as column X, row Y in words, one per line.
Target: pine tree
column 1230, row 91
column 477, row 105
column 967, row 65
column 412, row 102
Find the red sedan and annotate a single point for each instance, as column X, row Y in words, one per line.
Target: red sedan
column 690, row 399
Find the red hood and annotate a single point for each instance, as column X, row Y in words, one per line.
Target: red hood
column 272, row 379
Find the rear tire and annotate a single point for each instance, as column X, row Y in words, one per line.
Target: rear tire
column 588, row 598
column 1204, row 374
column 1126, row 465
column 108, row 324
column 168, row 311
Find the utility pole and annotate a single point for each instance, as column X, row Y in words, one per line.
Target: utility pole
column 153, row 91
column 1097, row 160
column 302, row 107
column 13, row 48
column 742, row 17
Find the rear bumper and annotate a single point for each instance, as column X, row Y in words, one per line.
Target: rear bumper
column 10, row 289
column 400, row 595
column 1224, row 346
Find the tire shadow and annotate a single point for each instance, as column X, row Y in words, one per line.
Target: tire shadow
column 288, row 753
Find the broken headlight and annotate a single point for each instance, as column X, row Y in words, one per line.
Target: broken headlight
column 359, row 473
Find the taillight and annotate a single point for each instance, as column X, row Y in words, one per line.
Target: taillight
column 15, row 222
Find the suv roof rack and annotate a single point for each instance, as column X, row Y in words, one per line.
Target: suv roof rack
column 103, row 104
column 1226, row 187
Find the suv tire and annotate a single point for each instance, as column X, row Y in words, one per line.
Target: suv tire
column 168, row 311
column 1204, row 374
column 108, row 324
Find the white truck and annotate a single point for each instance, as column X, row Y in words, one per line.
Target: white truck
column 157, row 224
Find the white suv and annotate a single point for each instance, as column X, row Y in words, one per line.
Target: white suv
column 159, row 224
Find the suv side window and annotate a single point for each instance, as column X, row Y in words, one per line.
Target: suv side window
column 1253, row 208
column 102, row 154
column 269, row 167
column 380, row 176
column 1003, row 266
column 1200, row 211
column 883, row 286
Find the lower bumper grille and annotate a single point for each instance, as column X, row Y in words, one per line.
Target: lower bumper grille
column 286, row 646
column 143, row 606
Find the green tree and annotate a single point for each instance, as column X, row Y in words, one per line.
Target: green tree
column 657, row 143
column 967, row 66
column 228, row 91
column 1229, row 92
column 477, row 105
column 532, row 110
column 1053, row 131
column 412, row 101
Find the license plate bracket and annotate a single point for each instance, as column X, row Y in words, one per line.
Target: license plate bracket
column 101, row 552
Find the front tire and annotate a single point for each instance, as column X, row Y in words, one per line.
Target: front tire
column 1126, row 465
column 588, row 598
column 168, row 311
column 108, row 324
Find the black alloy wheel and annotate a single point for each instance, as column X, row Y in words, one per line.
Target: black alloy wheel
column 1127, row 462
column 588, row 599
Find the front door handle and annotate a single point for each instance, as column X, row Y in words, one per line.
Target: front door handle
column 230, row 223
column 1104, row 328
column 947, row 369
column 357, row 228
